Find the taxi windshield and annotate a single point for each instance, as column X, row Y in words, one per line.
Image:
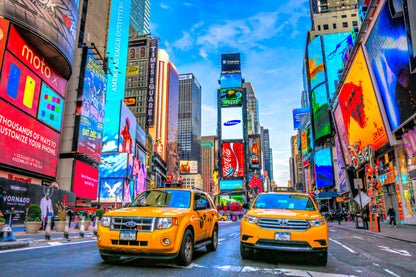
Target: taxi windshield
column 284, row 202
column 163, row 198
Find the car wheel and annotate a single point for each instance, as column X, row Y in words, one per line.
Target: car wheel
column 245, row 252
column 212, row 246
column 187, row 249
column 322, row 258
column 110, row 259
column 222, row 219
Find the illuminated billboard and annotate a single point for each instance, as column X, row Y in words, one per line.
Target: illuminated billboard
column 188, row 167
column 127, row 137
column 85, row 184
column 26, row 143
column 342, row 134
column 232, row 159
column 320, row 113
column 231, row 184
column 55, row 21
column 140, row 136
column 297, row 114
column 4, row 30
column 111, row 128
column 139, row 173
column 230, row 63
column 254, row 148
column 113, row 165
column 388, row 52
column 304, row 148
column 335, row 45
column 151, row 89
column 409, row 10
column 90, row 108
column 359, row 107
column 316, row 63
column 230, row 81
column 231, row 97
column 341, row 167
column 111, row 190
column 51, row 107
column 323, row 168
column 232, row 123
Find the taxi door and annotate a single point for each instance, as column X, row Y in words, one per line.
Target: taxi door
column 201, row 209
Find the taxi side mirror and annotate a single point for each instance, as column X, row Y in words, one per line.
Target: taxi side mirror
column 246, row 206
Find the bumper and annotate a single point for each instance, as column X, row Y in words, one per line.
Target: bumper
column 315, row 239
column 147, row 244
column 140, row 255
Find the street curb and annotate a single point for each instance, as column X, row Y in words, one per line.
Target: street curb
column 13, row 245
column 375, row 234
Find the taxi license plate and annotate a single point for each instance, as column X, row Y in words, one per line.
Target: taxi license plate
column 128, row 235
column 282, row 236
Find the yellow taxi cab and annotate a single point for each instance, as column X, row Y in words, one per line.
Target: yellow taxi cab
column 284, row 222
column 163, row 224
column 222, row 217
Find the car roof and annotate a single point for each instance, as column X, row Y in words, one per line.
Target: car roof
column 191, row 190
column 285, row 192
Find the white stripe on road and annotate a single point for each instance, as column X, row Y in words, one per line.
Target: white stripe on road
column 46, row 246
column 346, row 247
column 392, row 273
column 360, row 238
column 220, row 240
column 395, row 251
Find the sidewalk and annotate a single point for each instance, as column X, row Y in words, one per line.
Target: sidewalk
column 403, row 232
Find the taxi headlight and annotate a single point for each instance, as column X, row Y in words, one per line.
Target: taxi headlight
column 165, row 222
column 251, row 219
column 316, row 222
column 105, row 221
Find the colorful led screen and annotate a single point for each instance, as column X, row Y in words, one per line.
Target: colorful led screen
column 304, row 144
column 341, row 167
column 335, row 45
column 230, row 63
column 388, row 52
column 320, row 113
column 232, row 159
column 231, row 123
column 316, row 63
column 113, row 165
column 231, row 97
column 111, row 190
column 323, row 168
column 127, row 137
column 342, row 134
column 188, row 167
column 359, row 107
column 254, row 148
column 230, row 81
column 85, row 183
column 231, row 184
column 297, row 114
column 4, row 30
column 111, row 128
column 51, row 108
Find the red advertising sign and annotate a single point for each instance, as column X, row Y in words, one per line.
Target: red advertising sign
column 4, row 29
column 232, row 160
column 85, row 180
column 35, row 61
column 26, row 143
column 19, row 86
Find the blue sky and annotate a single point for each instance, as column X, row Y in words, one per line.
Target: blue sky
column 269, row 34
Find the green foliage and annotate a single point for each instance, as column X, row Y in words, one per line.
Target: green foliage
column 34, row 213
column 100, row 213
column 2, row 219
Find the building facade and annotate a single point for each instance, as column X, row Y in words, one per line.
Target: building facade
column 140, row 17
column 209, row 144
column 252, row 108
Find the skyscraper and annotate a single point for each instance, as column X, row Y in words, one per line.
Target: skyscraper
column 252, row 105
column 209, row 146
column 266, row 151
column 140, row 17
column 189, row 124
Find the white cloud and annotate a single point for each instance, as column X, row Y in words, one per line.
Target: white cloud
column 184, row 43
column 164, row 6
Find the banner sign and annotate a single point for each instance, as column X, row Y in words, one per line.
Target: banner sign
column 151, row 90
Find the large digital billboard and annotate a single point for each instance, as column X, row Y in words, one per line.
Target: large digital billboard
column 231, row 184
column 359, row 107
column 55, row 21
column 188, row 167
column 316, row 63
column 140, row 136
column 230, row 63
column 323, row 168
column 232, row 160
column 231, row 97
column 254, row 148
column 127, row 137
column 409, row 10
column 51, row 107
column 4, row 31
column 111, row 190
column 304, row 148
column 342, row 134
column 85, row 184
column 232, row 123
column 320, row 113
column 388, row 52
column 230, row 81
column 90, row 108
column 113, row 165
column 297, row 114
column 335, row 45
column 139, row 173
column 26, row 143
column 341, row 167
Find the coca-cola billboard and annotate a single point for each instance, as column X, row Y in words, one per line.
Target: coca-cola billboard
column 232, row 154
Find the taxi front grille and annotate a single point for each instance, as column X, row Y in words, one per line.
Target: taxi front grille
column 140, row 224
column 129, row 242
column 283, row 224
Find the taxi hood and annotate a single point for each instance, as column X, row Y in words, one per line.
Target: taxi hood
column 148, row 212
column 289, row 214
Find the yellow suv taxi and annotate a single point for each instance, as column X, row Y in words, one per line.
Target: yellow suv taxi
column 284, row 222
column 160, row 224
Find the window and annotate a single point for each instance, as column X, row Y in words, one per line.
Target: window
column 353, row 14
column 201, row 199
column 345, row 24
column 344, row 16
column 319, row 27
column 355, row 23
column 326, row 27
column 334, row 25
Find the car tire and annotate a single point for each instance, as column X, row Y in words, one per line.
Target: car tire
column 322, row 258
column 245, row 252
column 212, row 246
column 187, row 249
column 110, row 259
column 222, row 219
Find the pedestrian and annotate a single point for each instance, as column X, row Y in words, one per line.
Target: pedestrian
column 338, row 217
column 2, row 200
column 392, row 214
column 69, row 213
column 365, row 215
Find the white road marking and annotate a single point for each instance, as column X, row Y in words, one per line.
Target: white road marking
column 55, row 243
column 395, row 251
column 234, row 234
column 46, row 246
column 376, row 264
column 346, row 247
column 220, row 240
column 357, row 237
column 392, row 273
column 332, row 230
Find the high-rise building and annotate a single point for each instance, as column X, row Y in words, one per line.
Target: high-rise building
column 271, row 164
column 189, row 125
column 209, row 144
column 140, row 17
column 333, row 16
column 266, row 151
column 252, row 105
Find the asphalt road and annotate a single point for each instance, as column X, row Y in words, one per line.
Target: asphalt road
column 350, row 254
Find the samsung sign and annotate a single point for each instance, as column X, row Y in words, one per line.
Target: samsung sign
column 232, row 123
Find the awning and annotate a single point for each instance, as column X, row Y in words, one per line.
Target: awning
column 328, row 194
